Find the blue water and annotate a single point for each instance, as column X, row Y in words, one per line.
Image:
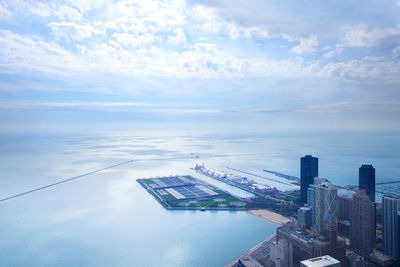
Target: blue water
column 108, row 219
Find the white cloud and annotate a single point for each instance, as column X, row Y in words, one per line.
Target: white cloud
column 307, row 45
column 135, row 37
column 68, row 13
column 21, row 53
column 177, row 39
column 86, row 5
column 127, row 39
column 329, row 54
column 40, row 9
column 357, row 106
column 4, row 13
column 361, row 36
column 367, row 68
column 72, row 31
column 396, row 51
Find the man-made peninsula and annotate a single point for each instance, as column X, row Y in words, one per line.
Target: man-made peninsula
column 188, row 193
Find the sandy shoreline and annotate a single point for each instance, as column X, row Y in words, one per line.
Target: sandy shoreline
column 270, row 216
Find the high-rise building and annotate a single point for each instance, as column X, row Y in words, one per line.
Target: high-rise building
column 362, row 224
column 323, row 261
column 366, row 180
column 311, row 198
column 308, row 170
column 326, row 205
column 304, row 217
column 337, row 248
column 279, row 253
column 391, row 240
column 305, row 244
column 344, row 207
column 344, row 203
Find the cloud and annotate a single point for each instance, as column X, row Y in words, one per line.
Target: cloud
column 362, row 36
column 31, row 53
column 4, row 13
column 329, row 54
column 188, row 39
column 307, row 45
column 368, row 106
column 178, row 38
column 68, row 13
column 128, row 39
column 72, row 31
column 368, row 68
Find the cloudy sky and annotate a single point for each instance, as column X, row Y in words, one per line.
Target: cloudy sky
column 255, row 64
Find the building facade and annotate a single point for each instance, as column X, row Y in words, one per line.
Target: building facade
column 304, row 217
column 391, row 240
column 305, row 244
column 311, row 198
column 362, row 224
column 326, row 205
column 366, row 180
column 308, row 170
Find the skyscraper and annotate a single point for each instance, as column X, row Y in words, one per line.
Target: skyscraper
column 391, row 240
column 366, row 180
column 326, row 205
column 362, row 224
column 311, row 198
column 308, row 170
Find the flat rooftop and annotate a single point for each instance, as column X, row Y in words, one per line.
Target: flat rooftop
column 190, row 191
column 174, row 181
column 321, row 261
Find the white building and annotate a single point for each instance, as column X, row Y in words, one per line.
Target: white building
column 321, row 261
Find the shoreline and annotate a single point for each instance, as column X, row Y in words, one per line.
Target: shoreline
column 269, row 216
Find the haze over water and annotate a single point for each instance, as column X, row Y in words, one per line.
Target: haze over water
column 107, row 218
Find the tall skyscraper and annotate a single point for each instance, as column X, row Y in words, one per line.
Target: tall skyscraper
column 326, row 205
column 362, row 224
column 308, row 170
column 391, row 240
column 366, row 180
column 311, row 198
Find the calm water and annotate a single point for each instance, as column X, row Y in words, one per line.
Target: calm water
column 108, row 219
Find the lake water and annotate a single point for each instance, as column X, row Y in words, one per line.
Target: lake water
column 108, row 219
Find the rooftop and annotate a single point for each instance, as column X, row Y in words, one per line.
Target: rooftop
column 320, row 262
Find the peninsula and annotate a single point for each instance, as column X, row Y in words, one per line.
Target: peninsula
column 188, row 193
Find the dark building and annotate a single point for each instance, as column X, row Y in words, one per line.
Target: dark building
column 344, row 206
column 362, row 224
column 308, row 170
column 366, row 180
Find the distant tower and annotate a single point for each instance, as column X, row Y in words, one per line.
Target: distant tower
column 308, row 170
column 362, row 224
column 391, row 212
column 366, row 180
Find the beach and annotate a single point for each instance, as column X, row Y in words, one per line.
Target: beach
column 270, row 216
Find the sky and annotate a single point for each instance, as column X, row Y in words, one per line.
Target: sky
column 255, row 65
